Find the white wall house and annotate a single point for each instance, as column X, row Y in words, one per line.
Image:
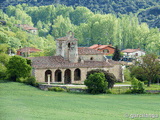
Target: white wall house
column 133, row 53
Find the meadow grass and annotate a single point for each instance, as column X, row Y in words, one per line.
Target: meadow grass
column 22, row 102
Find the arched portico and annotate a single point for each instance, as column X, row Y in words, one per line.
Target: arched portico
column 48, row 72
column 67, row 76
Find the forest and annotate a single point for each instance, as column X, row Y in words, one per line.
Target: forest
column 54, row 21
column 116, row 7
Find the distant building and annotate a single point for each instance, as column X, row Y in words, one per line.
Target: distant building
column 132, row 53
column 106, row 49
column 28, row 28
column 24, row 52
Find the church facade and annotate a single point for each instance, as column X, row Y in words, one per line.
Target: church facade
column 71, row 64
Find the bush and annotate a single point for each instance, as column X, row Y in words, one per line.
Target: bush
column 127, row 75
column 56, row 89
column 137, row 86
column 31, row 81
column 96, row 83
column 109, row 77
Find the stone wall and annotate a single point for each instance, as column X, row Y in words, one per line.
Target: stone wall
column 94, row 57
column 40, row 74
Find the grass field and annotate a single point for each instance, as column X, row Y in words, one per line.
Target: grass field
column 22, row 102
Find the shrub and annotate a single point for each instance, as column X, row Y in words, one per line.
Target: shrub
column 137, row 86
column 109, row 77
column 127, row 75
column 96, row 83
column 56, row 89
column 31, row 81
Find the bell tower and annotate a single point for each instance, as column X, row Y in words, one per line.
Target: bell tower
column 67, row 47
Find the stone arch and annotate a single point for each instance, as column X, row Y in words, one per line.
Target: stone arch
column 77, row 74
column 67, row 76
column 48, row 72
column 58, row 75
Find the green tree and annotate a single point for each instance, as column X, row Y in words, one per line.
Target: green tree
column 4, row 58
column 17, row 68
column 116, row 55
column 96, row 83
column 150, row 66
column 109, row 77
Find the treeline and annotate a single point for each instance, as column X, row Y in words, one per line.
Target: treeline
column 116, row 7
column 55, row 21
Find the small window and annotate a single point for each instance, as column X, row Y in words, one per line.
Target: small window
column 106, row 51
column 69, row 45
column 91, row 58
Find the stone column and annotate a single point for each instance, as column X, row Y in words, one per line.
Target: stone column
column 72, row 76
column 53, row 75
column 62, row 76
column 49, row 79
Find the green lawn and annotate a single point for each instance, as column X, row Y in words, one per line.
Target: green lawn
column 22, row 102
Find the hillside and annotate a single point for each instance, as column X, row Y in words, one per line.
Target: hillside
column 116, row 7
column 54, row 21
column 151, row 16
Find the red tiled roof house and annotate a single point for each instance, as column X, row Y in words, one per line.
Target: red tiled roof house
column 24, row 52
column 106, row 49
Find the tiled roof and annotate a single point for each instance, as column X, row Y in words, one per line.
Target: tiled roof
column 96, row 46
column 28, row 49
column 130, row 50
column 88, row 51
column 49, row 62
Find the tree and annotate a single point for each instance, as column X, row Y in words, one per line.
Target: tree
column 96, row 83
column 116, row 55
column 150, row 66
column 109, row 77
column 17, row 68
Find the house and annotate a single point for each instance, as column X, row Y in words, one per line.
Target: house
column 28, row 28
column 106, row 49
column 133, row 53
column 24, row 52
column 71, row 64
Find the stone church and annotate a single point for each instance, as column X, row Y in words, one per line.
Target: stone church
column 71, row 63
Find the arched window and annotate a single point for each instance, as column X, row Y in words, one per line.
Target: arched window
column 77, row 74
column 58, row 76
column 48, row 72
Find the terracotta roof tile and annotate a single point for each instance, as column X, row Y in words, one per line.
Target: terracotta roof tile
column 96, row 46
column 60, row 62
